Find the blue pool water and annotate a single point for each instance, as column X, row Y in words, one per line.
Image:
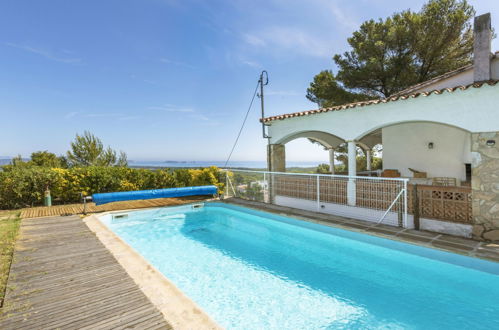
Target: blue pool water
column 255, row 270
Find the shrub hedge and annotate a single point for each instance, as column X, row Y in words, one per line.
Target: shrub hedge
column 25, row 186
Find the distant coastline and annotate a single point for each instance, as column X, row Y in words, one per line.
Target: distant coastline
column 200, row 164
column 260, row 165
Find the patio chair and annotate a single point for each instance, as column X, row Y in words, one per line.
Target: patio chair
column 444, row 181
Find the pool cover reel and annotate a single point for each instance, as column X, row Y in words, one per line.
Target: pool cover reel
column 104, row 198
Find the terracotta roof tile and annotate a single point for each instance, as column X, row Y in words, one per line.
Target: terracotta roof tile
column 378, row 101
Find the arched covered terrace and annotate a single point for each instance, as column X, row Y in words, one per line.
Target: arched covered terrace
column 435, row 132
column 330, row 142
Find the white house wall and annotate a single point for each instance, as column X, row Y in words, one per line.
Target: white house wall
column 460, row 79
column 406, row 145
column 494, row 69
column 474, row 109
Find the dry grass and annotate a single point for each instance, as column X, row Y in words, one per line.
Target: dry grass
column 9, row 227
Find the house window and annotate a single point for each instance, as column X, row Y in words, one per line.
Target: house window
column 468, row 172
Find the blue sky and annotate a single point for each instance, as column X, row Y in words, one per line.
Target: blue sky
column 167, row 79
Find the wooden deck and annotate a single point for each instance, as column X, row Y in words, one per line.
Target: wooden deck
column 63, row 277
column 69, row 209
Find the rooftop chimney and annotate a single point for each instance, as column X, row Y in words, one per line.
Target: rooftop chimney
column 481, row 48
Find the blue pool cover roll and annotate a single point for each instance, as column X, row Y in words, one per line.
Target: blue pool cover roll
column 104, row 198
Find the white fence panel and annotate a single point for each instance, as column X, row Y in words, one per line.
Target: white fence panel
column 379, row 200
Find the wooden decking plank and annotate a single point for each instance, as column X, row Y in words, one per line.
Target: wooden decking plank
column 88, row 311
column 63, row 276
column 50, row 302
column 67, row 308
column 134, row 318
column 100, row 262
column 44, row 211
column 44, row 281
column 145, row 322
column 54, row 262
column 112, row 318
column 81, row 287
column 44, row 321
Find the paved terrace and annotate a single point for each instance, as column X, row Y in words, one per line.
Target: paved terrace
column 468, row 247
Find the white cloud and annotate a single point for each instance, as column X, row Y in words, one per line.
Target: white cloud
column 102, row 115
column 252, row 64
column 205, row 120
column 312, row 28
column 114, row 115
column 199, row 116
column 130, row 117
column 283, row 93
column 253, row 40
column 292, row 39
column 187, row 113
column 171, row 108
column 176, row 63
column 70, row 115
column 345, row 19
column 45, row 53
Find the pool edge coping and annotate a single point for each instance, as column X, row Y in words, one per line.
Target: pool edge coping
column 344, row 224
column 178, row 309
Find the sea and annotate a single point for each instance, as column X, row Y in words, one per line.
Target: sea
column 197, row 164
column 231, row 164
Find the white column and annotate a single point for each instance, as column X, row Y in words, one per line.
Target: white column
column 368, row 159
column 331, row 160
column 352, row 171
column 352, row 158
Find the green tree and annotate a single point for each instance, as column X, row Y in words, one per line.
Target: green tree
column 88, row 150
column 326, row 91
column 323, row 169
column 404, row 49
column 18, row 160
column 45, row 159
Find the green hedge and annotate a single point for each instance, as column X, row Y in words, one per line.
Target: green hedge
column 24, row 186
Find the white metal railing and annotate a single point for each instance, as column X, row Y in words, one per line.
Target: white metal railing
column 375, row 199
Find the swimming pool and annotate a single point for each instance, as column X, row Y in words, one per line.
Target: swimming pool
column 255, row 270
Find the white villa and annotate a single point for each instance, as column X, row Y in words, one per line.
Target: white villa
column 447, row 127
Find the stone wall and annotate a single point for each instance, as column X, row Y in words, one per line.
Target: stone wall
column 485, row 185
column 276, row 157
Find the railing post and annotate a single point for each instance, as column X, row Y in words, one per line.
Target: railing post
column 352, row 172
column 265, row 187
column 405, row 203
column 400, row 211
column 226, row 184
column 415, row 206
column 84, row 204
column 318, row 194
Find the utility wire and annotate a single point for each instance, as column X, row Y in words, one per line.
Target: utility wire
column 242, row 126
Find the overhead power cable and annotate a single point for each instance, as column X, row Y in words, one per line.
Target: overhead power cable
column 244, row 122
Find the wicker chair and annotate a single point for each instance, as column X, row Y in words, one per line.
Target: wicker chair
column 444, row 181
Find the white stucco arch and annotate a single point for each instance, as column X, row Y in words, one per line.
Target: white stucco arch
column 326, row 139
column 365, row 134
